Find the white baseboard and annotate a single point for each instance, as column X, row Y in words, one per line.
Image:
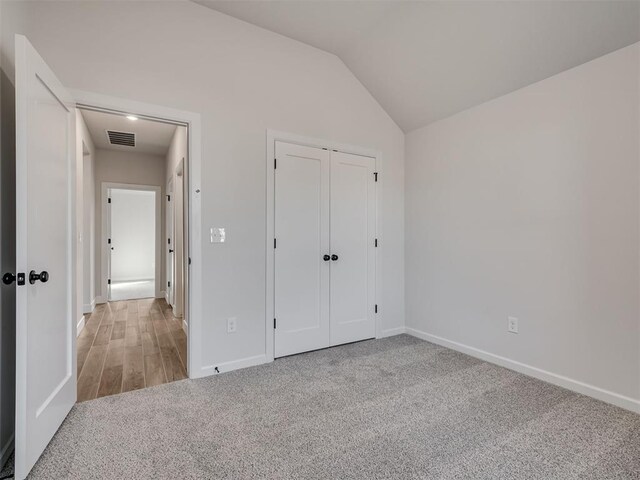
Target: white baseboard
column 232, row 365
column 80, row 325
column 185, row 327
column 100, row 299
column 5, row 453
column 392, row 331
column 89, row 307
column 598, row 393
column 162, row 294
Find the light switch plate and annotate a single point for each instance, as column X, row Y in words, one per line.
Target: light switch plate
column 218, row 235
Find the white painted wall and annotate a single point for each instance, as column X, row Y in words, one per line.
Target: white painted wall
column 133, row 235
column 528, row 205
column 243, row 80
column 123, row 167
column 87, row 205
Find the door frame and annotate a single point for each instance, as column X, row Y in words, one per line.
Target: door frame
column 193, row 122
column 106, row 234
column 272, row 136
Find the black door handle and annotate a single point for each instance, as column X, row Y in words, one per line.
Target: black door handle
column 326, row 258
column 334, row 257
column 42, row 276
column 8, row 278
column 170, row 251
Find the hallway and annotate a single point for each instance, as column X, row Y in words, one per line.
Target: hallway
column 130, row 345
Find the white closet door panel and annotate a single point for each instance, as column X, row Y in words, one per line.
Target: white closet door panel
column 352, row 240
column 302, row 231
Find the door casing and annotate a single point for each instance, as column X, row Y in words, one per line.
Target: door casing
column 273, row 136
column 196, row 367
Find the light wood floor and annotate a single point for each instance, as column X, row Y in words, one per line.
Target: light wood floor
column 129, row 345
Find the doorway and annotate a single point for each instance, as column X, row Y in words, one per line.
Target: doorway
column 132, row 221
column 133, row 337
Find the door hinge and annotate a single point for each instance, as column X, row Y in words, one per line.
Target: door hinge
column 109, row 241
column 168, row 284
column 109, row 282
column 168, row 198
column 108, row 200
column 376, row 243
column 376, row 308
column 189, row 260
column 375, row 175
column 275, row 163
column 169, row 241
column 274, row 243
column 274, row 323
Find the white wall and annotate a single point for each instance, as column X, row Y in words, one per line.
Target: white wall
column 133, row 235
column 87, row 205
column 242, row 80
column 528, row 206
column 132, row 168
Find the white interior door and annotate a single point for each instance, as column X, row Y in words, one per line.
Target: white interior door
column 110, row 246
column 352, row 248
column 301, row 275
column 170, row 243
column 45, row 213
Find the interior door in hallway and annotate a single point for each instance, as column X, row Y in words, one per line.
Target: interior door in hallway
column 301, row 282
column 353, row 218
column 45, row 256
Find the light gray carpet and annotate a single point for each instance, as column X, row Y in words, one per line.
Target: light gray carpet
column 393, row 408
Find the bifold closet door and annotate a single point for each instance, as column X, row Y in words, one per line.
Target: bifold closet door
column 353, row 248
column 301, row 275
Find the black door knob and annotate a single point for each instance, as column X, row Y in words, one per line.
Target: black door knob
column 334, row 257
column 42, row 276
column 8, row 278
column 326, row 258
column 170, row 251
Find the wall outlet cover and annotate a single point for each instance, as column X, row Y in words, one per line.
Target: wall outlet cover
column 513, row 325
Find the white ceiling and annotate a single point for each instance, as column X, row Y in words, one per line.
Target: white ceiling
column 151, row 137
column 426, row 60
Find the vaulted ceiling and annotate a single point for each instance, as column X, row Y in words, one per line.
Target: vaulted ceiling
column 426, row 60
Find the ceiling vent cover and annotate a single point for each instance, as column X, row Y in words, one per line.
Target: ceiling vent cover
column 125, row 139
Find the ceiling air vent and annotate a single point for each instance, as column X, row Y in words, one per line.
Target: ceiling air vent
column 121, row 138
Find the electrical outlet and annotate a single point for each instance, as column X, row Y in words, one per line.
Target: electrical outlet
column 513, row 325
column 231, row 325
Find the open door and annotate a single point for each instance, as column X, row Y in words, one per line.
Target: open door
column 170, row 244
column 109, row 246
column 45, row 256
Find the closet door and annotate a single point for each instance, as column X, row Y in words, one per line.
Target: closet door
column 301, row 283
column 352, row 248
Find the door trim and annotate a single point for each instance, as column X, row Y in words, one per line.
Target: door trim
column 193, row 122
column 106, row 231
column 272, row 136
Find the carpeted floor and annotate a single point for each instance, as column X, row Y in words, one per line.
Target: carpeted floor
column 392, row 408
